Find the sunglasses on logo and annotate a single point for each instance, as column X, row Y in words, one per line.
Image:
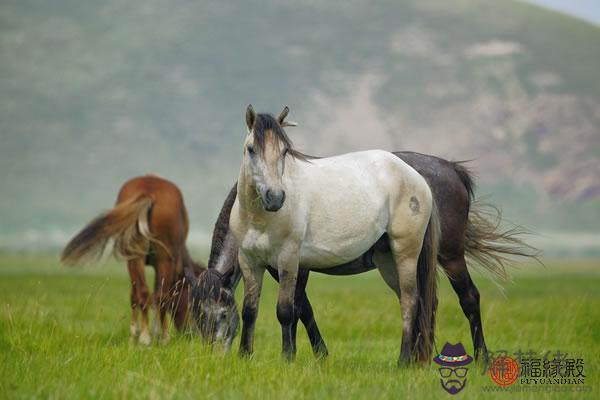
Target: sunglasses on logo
column 459, row 372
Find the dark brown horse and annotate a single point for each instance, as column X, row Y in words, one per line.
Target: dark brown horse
column 469, row 229
column 149, row 226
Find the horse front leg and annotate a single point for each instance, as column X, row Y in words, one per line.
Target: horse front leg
column 253, row 277
column 286, row 311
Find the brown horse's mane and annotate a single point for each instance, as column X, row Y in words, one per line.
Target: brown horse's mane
column 265, row 123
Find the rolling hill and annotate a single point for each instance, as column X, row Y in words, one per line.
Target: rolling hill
column 93, row 93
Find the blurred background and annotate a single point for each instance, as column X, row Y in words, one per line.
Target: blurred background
column 93, row 93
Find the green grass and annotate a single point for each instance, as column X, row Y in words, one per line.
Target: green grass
column 64, row 334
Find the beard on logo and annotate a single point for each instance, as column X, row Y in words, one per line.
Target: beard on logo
column 453, row 386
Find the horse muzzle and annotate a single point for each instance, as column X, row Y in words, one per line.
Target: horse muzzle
column 273, row 200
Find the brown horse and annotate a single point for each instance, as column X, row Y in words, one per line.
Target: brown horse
column 149, row 226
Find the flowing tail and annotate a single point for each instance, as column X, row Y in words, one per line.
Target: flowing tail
column 490, row 241
column 490, row 244
column 127, row 224
column 424, row 324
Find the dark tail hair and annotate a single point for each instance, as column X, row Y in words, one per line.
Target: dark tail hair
column 127, row 224
column 490, row 244
column 424, row 323
column 491, row 241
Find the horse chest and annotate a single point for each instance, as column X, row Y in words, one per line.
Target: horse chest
column 257, row 243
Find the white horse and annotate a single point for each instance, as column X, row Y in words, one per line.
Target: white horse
column 293, row 211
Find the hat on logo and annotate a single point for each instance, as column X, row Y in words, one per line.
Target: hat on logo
column 453, row 355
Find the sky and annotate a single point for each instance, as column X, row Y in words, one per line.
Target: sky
column 588, row 10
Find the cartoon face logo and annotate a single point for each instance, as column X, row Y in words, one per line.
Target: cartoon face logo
column 452, row 361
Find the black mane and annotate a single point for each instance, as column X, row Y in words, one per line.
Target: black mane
column 208, row 286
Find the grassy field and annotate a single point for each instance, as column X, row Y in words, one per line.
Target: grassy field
column 64, row 334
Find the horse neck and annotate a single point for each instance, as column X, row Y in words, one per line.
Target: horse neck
column 227, row 259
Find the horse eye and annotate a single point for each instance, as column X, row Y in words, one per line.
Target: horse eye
column 250, row 150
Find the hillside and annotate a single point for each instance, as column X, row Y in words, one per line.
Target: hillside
column 94, row 93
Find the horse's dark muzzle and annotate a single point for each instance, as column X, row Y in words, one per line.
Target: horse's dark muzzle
column 273, row 200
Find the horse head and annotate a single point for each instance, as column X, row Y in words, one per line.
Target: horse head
column 213, row 308
column 265, row 149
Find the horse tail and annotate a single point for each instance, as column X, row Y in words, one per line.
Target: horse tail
column 492, row 242
column 126, row 224
column 465, row 176
column 424, row 324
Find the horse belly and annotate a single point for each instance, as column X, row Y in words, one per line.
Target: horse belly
column 316, row 256
column 333, row 240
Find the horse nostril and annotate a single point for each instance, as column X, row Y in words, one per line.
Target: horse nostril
column 282, row 196
column 268, row 195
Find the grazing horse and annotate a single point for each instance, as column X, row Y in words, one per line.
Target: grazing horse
column 293, row 212
column 468, row 230
column 149, row 226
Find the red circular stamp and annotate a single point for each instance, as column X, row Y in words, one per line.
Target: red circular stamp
column 504, row 371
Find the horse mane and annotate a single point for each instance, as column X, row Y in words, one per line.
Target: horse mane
column 265, row 123
column 209, row 284
column 221, row 228
column 208, row 287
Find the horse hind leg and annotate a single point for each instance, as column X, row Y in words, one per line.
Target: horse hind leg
column 139, row 302
column 399, row 273
column 180, row 299
column 180, row 307
column 162, row 298
column 304, row 313
column 387, row 269
column 468, row 295
column 406, row 289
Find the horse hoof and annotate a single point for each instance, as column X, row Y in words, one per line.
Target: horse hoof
column 288, row 357
column 321, row 352
column 404, row 363
column 165, row 340
column 134, row 332
column 145, row 339
column 245, row 354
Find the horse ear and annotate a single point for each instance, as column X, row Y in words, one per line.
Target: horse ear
column 226, row 278
column 283, row 114
column 250, row 116
column 192, row 271
column 288, row 123
column 226, row 296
